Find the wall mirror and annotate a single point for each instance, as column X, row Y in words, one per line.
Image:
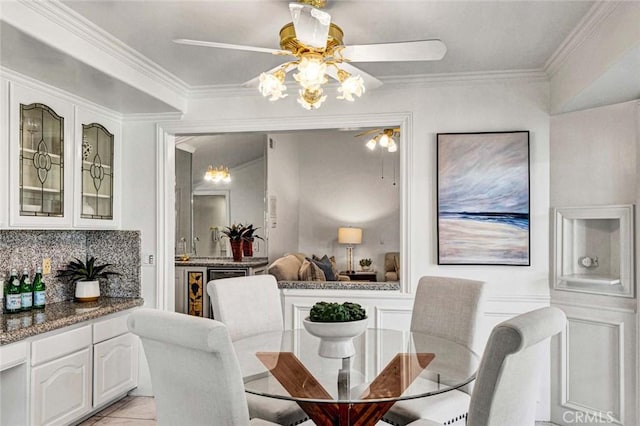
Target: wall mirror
column 299, row 187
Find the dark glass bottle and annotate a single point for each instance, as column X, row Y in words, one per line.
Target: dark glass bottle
column 12, row 300
column 39, row 295
column 26, row 291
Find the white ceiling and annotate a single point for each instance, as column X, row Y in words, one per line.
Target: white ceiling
column 480, row 35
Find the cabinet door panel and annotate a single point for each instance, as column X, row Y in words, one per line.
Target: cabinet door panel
column 43, row 196
column 115, row 366
column 61, row 389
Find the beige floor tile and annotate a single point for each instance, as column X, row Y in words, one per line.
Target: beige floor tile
column 136, row 408
column 102, row 421
column 113, row 407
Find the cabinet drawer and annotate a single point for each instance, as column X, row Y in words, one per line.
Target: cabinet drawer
column 53, row 347
column 109, row 328
column 12, row 355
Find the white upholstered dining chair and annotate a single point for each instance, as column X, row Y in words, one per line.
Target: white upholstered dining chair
column 195, row 375
column 248, row 306
column 507, row 384
column 451, row 308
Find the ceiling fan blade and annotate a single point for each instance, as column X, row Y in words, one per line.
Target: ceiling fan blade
column 370, row 82
column 311, row 24
column 230, row 46
column 423, row 50
column 368, row 132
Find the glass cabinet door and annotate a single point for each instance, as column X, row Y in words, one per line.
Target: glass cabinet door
column 97, row 172
column 41, row 161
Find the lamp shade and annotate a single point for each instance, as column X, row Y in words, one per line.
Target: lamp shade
column 349, row 235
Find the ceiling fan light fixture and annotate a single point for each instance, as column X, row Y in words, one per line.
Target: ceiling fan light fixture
column 393, row 146
column 272, row 85
column 385, row 141
column 350, row 85
column 371, row 144
column 311, row 98
column 312, row 71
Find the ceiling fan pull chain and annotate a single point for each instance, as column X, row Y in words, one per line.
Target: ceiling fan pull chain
column 381, row 164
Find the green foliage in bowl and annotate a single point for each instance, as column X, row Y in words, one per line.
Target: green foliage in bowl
column 336, row 312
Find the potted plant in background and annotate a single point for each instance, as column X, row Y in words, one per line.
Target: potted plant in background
column 235, row 233
column 365, row 264
column 336, row 325
column 248, row 238
column 86, row 275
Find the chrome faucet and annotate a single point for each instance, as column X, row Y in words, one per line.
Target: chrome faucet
column 194, row 246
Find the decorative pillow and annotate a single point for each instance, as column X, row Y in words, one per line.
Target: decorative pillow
column 325, row 265
column 309, row 271
column 285, row 268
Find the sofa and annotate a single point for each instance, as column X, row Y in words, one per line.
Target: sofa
column 302, row 267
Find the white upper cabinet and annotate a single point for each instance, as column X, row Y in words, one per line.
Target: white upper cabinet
column 64, row 159
column 40, row 159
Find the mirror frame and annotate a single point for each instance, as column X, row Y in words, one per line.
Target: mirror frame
column 165, row 176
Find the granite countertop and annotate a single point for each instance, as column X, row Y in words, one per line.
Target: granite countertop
column 19, row 326
column 340, row 285
column 225, row 262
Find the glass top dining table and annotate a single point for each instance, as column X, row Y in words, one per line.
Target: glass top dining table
column 388, row 366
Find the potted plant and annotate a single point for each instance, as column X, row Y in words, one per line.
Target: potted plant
column 365, row 264
column 336, row 325
column 248, row 238
column 86, row 276
column 235, row 233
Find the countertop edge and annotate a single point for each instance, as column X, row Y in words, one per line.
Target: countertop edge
column 340, row 285
column 114, row 305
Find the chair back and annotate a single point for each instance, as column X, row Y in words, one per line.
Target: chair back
column 450, row 308
column 506, row 388
column 247, row 305
column 195, row 375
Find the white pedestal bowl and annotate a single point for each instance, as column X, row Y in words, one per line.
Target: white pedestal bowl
column 336, row 338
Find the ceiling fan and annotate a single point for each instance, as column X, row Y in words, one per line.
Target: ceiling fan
column 382, row 137
column 316, row 45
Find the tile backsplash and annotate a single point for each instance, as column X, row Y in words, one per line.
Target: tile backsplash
column 27, row 248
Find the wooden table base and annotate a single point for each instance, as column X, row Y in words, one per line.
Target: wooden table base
column 401, row 371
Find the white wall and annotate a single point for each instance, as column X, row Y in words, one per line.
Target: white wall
column 283, row 187
column 595, row 161
column 340, row 184
column 482, row 106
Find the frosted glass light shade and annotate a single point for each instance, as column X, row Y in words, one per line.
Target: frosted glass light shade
column 349, row 235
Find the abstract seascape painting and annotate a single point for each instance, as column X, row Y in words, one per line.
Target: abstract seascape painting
column 483, row 198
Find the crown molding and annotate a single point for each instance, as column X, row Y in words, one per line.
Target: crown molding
column 186, row 147
column 68, row 19
column 465, row 78
column 163, row 116
column 585, row 28
column 390, row 82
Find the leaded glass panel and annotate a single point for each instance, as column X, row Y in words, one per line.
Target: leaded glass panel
column 97, row 172
column 41, row 161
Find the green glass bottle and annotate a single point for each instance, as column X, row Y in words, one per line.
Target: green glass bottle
column 12, row 299
column 26, row 291
column 39, row 295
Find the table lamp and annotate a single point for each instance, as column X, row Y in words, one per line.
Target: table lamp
column 349, row 236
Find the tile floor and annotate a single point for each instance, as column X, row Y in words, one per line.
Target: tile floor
column 141, row 411
column 130, row 411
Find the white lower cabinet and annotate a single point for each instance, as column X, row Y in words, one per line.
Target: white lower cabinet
column 77, row 371
column 61, row 389
column 115, row 367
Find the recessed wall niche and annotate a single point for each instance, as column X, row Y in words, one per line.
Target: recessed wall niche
column 593, row 250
